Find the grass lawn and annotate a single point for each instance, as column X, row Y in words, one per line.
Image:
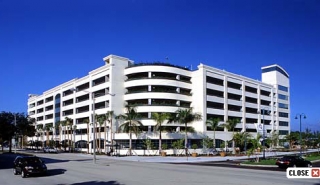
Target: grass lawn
column 311, row 157
column 262, row 162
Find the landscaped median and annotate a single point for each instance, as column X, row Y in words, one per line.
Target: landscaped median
column 271, row 162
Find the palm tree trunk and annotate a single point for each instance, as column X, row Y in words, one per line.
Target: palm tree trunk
column 99, row 139
column 60, row 134
column 71, row 145
column 47, row 140
column 88, row 141
column 111, row 134
column 130, row 139
column 68, row 138
column 214, row 138
column 186, row 139
column 22, row 141
column 105, row 137
column 233, row 144
column 160, row 138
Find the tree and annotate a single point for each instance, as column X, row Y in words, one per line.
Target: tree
column 47, row 128
column 110, row 115
column 291, row 138
column 68, row 124
column 207, row 143
column 63, row 126
column 58, row 125
column 159, row 118
column 241, row 139
column 178, row 144
column 131, row 123
column 40, row 133
column 230, row 125
column 213, row 123
column 24, row 126
column 8, row 128
column 274, row 138
column 185, row 116
column 255, row 145
column 88, row 140
column 101, row 119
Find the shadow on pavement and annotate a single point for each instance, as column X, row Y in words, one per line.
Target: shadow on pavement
column 53, row 172
column 96, row 183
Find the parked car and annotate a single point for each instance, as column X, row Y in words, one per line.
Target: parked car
column 29, row 165
column 50, row 150
column 293, row 161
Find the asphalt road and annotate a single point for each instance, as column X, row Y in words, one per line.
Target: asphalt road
column 73, row 169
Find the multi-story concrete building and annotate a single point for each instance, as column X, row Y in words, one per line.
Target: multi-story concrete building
column 160, row 87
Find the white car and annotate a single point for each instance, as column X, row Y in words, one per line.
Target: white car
column 50, row 150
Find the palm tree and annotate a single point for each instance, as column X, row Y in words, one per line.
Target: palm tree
column 47, row 128
column 131, row 123
column 58, row 126
column 185, row 116
column 109, row 117
column 213, row 123
column 40, row 131
column 230, row 125
column 274, row 138
column 63, row 128
column 292, row 137
column 241, row 139
column 101, row 119
column 255, row 145
column 69, row 123
column 87, row 122
column 159, row 118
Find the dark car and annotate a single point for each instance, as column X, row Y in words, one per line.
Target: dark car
column 29, row 165
column 293, row 161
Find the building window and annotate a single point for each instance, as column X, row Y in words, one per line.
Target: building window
column 250, row 89
column 213, row 80
column 283, row 114
column 275, row 68
column 282, row 97
column 283, row 132
column 283, row 88
column 283, row 106
column 214, row 105
column 283, row 123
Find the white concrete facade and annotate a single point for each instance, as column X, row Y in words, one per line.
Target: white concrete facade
column 166, row 88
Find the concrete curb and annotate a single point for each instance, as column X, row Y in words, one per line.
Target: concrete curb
column 252, row 165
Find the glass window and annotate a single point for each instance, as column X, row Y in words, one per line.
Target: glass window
column 283, row 123
column 275, row 68
column 283, row 97
column 283, row 132
column 283, row 88
column 283, row 114
column 283, row 106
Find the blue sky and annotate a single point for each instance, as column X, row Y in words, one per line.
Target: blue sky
column 46, row 43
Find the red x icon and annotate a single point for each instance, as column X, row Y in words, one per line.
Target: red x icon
column 315, row 172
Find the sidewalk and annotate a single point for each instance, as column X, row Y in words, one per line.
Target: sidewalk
column 184, row 159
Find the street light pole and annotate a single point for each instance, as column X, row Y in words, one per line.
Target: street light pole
column 264, row 151
column 94, row 127
column 263, row 133
column 93, row 120
column 300, row 139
